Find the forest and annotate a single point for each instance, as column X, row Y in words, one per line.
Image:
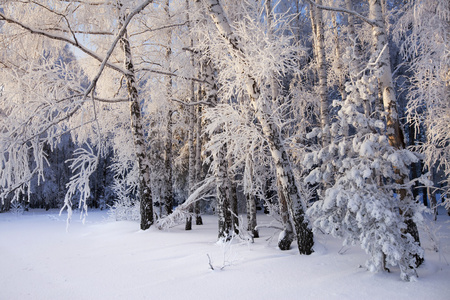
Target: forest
column 328, row 116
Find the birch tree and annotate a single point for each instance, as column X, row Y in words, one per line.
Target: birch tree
column 285, row 177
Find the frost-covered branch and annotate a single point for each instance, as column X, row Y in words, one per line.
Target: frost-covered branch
column 192, row 103
column 119, row 36
column 63, row 39
column 343, row 10
column 182, row 211
column 170, row 74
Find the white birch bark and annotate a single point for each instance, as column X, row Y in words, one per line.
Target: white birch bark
column 191, row 132
column 168, row 193
column 222, row 193
column 338, row 58
column 351, row 33
column 198, row 160
column 251, row 215
column 250, row 197
column 394, row 132
column 288, row 234
column 232, row 197
column 192, row 154
column 322, row 73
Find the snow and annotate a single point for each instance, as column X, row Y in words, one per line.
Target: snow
column 105, row 259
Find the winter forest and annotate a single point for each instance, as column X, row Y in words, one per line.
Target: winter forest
column 321, row 117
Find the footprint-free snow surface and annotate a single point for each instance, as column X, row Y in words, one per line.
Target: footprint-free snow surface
column 105, row 259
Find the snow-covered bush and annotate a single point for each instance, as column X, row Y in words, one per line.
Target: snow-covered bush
column 359, row 170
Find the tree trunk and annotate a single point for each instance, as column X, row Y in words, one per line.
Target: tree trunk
column 393, row 129
column 380, row 42
column 192, row 152
column 321, row 72
column 222, row 193
column 432, row 195
column 233, row 198
column 251, row 216
column 168, row 193
column 353, row 39
column 415, row 167
column 145, row 193
column 287, row 235
column 338, row 58
column 198, row 162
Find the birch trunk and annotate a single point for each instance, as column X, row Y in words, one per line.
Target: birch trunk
column 338, row 54
column 321, row 72
column 192, row 153
column 222, row 193
column 351, row 33
column 393, row 129
column 145, row 194
column 251, row 215
column 432, row 195
column 287, row 236
column 198, row 162
column 394, row 132
column 250, row 197
column 168, row 193
column 274, row 83
column 233, row 198
column 286, row 182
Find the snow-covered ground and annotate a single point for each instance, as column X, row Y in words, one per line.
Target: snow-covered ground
column 105, row 259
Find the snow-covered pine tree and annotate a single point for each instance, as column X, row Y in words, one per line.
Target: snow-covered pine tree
column 360, row 205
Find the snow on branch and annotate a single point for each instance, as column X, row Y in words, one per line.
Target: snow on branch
column 119, row 36
column 192, row 103
column 182, row 211
column 170, row 74
column 59, row 38
column 75, row 43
